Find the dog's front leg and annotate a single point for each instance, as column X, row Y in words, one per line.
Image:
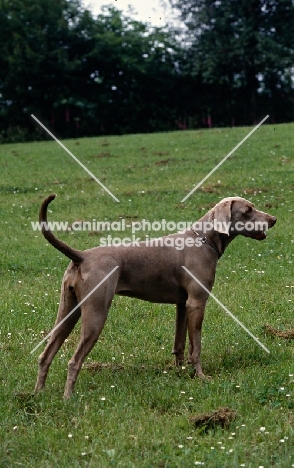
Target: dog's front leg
column 180, row 334
column 195, row 314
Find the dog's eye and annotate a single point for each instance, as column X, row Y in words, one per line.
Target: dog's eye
column 249, row 209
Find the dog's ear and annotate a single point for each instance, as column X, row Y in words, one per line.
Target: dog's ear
column 221, row 216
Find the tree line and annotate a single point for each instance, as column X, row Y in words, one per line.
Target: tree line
column 230, row 63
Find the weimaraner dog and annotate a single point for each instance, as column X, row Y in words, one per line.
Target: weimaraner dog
column 152, row 273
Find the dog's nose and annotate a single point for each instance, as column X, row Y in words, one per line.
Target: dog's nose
column 274, row 220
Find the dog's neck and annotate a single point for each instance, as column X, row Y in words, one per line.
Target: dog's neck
column 204, row 240
column 220, row 241
column 214, row 240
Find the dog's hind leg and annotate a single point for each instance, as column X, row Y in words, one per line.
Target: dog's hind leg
column 68, row 302
column 180, row 334
column 94, row 313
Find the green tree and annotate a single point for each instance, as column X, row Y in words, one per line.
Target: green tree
column 243, row 51
column 134, row 72
column 83, row 75
column 37, row 39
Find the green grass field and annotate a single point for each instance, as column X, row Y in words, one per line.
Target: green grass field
column 134, row 410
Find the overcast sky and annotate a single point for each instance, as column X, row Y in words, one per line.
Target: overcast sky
column 148, row 11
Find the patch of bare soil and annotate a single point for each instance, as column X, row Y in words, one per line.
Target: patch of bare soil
column 103, row 154
column 221, row 417
column 212, row 188
column 286, row 334
column 162, row 162
column 98, row 366
column 255, row 190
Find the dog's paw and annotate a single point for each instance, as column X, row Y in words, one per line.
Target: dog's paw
column 201, row 376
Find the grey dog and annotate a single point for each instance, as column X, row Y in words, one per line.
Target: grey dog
column 151, row 273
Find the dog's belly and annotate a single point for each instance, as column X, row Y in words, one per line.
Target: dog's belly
column 158, row 298
column 158, row 294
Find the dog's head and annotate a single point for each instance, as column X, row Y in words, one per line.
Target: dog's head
column 235, row 216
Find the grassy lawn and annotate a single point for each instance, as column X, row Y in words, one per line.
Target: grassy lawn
column 134, row 410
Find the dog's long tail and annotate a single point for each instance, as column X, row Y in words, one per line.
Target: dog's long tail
column 75, row 255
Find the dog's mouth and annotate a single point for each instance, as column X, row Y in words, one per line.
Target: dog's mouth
column 260, row 235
